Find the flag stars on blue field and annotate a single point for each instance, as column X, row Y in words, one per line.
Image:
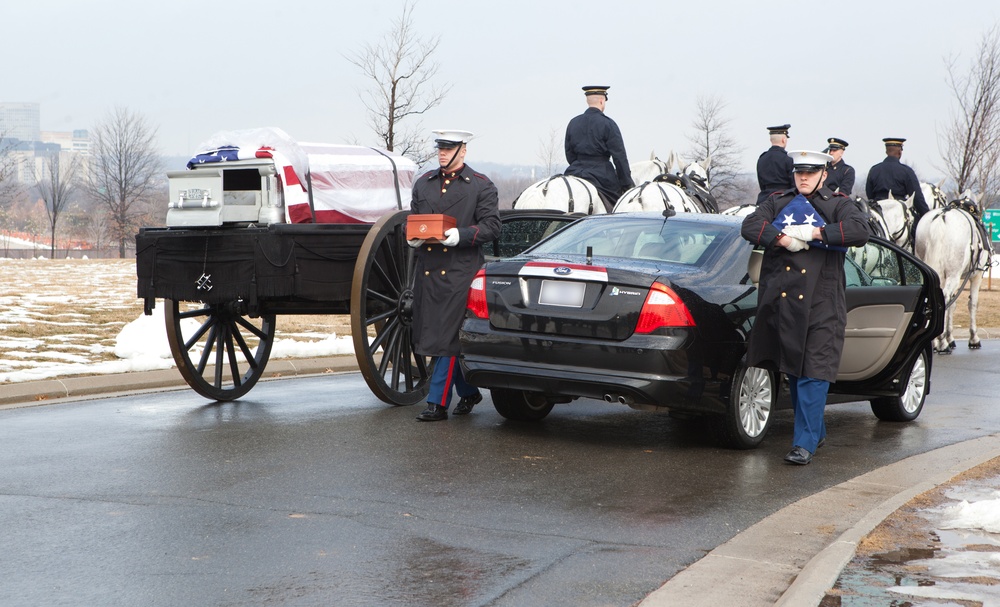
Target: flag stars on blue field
column 809, row 219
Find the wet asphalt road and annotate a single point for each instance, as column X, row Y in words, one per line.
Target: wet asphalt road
column 312, row 492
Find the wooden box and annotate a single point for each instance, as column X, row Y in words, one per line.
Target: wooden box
column 428, row 227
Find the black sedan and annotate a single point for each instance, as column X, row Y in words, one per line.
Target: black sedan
column 654, row 312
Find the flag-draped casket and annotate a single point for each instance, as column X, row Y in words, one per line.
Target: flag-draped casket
column 257, row 215
column 263, row 176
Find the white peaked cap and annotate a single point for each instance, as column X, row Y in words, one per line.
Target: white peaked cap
column 453, row 136
column 806, row 158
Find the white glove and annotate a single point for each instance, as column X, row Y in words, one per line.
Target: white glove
column 415, row 242
column 801, row 232
column 450, row 237
column 796, row 244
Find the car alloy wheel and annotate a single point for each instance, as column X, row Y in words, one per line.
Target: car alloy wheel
column 908, row 405
column 748, row 416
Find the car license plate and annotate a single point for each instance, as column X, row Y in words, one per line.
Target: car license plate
column 562, row 293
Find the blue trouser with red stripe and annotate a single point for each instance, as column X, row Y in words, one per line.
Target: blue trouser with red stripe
column 446, row 372
column 809, row 400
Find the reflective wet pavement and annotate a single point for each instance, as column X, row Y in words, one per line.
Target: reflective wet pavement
column 311, row 492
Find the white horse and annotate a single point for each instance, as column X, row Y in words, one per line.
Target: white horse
column 656, row 196
column 876, row 223
column 648, row 170
column 561, row 192
column 898, row 217
column 687, row 191
column 949, row 241
column 934, row 195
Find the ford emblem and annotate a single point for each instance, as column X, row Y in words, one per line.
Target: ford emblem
column 562, row 271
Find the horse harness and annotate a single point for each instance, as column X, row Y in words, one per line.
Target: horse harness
column 693, row 190
column 569, row 191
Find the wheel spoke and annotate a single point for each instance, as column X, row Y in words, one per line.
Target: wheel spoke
column 206, row 353
column 219, row 353
column 247, row 352
column 380, row 317
column 249, row 327
column 231, row 353
column 209, row 323
column 382, row 297
column 386, row 331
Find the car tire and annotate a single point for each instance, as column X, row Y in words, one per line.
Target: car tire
column 519, row 405
column 748, row 416
column 907, row 406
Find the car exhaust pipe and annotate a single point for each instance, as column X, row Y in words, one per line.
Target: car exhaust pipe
column 626, row 400
column 609, row 398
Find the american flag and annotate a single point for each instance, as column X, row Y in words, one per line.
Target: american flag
column 800, row 212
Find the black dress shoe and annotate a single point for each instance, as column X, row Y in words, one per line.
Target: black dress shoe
column 799, row 456
column 433, row 413
column 467, row 403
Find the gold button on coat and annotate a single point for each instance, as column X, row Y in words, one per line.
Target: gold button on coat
column 800, row 296
column 784, row 294
column 427, row 273
column 788, row 268
column 442, row 272
column 428, row 248
column 803, row 270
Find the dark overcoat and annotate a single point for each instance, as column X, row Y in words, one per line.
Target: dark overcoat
column 891, row 175
column 774, row 172
column 801, row 299
column 840, row 175
column 593, row 141
column 444, row 274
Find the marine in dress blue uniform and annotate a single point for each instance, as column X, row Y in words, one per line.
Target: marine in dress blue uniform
column 801, row 300
column 774, row 167
column 595, row 150
column 445, row 269
column 893, row 176
column 840, row 176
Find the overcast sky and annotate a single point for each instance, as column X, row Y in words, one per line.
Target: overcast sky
column 856, row 70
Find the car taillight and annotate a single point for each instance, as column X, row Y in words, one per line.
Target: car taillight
column 663, row 308
column 477, row 296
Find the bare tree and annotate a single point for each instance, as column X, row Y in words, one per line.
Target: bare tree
column 401, row 70
column 970, row 144
column 711, row 139
column 57, row 185
column 124, row 167
column 551, row 152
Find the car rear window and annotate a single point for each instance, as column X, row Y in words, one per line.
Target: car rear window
column 677, row 241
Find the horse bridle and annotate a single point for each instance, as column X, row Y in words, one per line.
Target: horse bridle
column 907, row 224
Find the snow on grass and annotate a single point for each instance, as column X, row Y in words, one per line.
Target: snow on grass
column 81, row 317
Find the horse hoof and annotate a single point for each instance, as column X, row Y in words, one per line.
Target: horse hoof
column 952, row 346
column 975, row 346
